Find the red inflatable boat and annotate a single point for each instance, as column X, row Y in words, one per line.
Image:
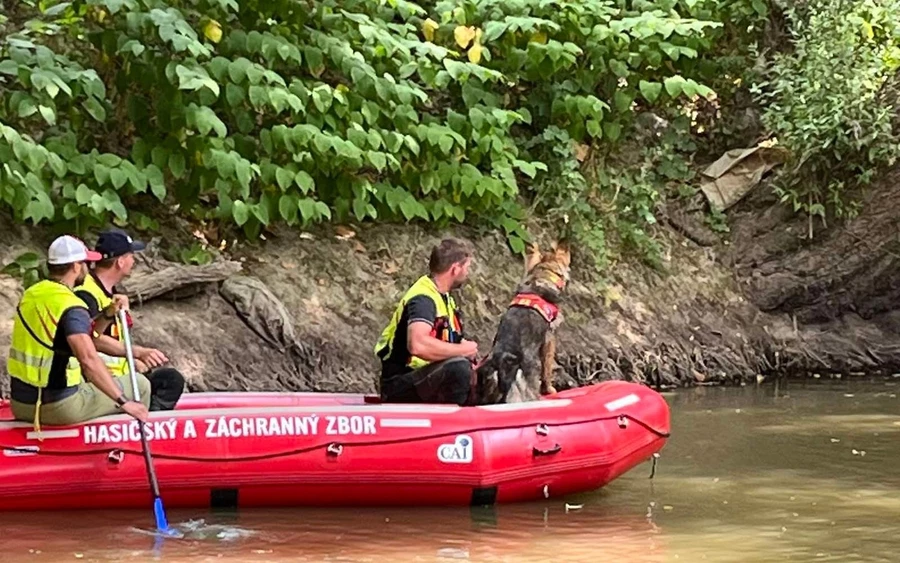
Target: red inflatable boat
column 291, row 449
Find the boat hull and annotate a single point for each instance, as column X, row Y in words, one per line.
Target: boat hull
column 318, row 449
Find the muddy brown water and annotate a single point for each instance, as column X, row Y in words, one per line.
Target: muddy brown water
column 797, row 472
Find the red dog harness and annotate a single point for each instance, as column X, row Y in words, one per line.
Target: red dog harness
column 533, row 301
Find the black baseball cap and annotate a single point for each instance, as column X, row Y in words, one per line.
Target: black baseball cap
column 116, row 242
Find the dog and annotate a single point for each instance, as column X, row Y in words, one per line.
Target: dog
column 519, row 366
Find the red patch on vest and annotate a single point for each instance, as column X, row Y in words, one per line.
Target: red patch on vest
column 547, row 310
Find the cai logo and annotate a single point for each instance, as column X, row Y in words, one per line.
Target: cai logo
column 460, row 451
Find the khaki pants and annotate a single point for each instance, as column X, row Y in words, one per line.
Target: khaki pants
column 86, row 404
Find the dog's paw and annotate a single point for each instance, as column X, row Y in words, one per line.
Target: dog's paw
column 548, row 390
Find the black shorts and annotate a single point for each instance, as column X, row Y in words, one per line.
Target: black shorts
column 447, row 381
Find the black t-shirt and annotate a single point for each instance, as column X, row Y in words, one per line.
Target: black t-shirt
column 418, row 309
column 92, row 305
column 74, row 321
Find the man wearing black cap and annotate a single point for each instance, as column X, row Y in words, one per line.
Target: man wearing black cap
column 117, row 250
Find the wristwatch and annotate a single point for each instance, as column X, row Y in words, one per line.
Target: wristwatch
column 121, row 400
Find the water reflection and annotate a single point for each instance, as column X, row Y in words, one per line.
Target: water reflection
column 801, row 473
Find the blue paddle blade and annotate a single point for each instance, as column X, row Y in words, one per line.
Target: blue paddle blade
column 161, row 523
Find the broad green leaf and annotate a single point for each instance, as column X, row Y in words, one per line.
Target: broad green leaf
column 650, row 90
column 95, row 109
column 288, row 208
column 674, row 85
column 322, row 98
column 612, row 131
column 176, row 164
column 156, row 181
column 261, row 212
column 446, row 144
column 118, row 178
column 307, row 209
column 241, row 212
column 27, row 107
column 101, row 174
column 234, row 94
column 304, row 181
column 284, row 177
column 377, row 159
column 83, row 194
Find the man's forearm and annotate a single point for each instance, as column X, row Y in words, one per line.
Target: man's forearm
column 110, row 346
column 101, row 322
column 433, row 350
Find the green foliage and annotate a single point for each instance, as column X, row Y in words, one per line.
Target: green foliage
column 830, row 101
column 256, row 113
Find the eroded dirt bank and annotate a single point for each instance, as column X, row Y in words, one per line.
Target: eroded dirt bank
column 302, row 312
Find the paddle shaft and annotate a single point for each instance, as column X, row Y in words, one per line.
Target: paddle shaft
column 129, row 353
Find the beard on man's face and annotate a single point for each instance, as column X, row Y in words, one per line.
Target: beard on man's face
column 82, row 274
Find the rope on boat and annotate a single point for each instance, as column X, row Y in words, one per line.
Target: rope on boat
column 298, row 451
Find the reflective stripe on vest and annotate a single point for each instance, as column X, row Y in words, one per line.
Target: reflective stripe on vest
column 423, row 286
column 117, row 365
column 34, row 330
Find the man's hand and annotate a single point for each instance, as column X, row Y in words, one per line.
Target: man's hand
column 140, row 366
column 468, row 349
column 119, row 303
column 151, row 357
column 137, row 410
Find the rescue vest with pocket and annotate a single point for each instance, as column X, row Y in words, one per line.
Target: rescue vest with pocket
column 447, row 326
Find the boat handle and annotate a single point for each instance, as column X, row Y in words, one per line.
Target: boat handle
column 536, row 451
column 115, row 457
column 335, row 449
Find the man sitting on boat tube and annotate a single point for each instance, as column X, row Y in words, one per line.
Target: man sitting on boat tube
column 117, row 250
column 424, row 356
column 52, row 352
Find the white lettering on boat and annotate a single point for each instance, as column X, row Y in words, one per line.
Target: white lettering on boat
column 130, row 432
column 356, row 425
column 231, row 427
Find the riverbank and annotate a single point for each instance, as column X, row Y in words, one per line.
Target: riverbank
column 300, row 311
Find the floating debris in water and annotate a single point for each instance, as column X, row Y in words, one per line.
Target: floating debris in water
column 849, row 395
column 668, row 507
column 262, row 551
column 79, row 556
column 573, row 507
column 834, row 440
column 859, row 452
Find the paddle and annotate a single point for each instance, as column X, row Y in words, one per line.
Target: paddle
column 159, row 512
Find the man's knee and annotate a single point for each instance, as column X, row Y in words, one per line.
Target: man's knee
column 167, row 386
column 460, row 374
column 144, row 388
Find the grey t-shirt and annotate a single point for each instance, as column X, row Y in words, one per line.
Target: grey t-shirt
column 74, row 321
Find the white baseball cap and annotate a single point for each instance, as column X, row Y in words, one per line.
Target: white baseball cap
column 69, row 250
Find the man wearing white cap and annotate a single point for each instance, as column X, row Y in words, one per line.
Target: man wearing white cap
column 52, row 350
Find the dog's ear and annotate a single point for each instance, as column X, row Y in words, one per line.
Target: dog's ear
column 532, row 258
column 563, row 252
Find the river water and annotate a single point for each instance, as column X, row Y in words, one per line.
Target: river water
column 795, row 472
